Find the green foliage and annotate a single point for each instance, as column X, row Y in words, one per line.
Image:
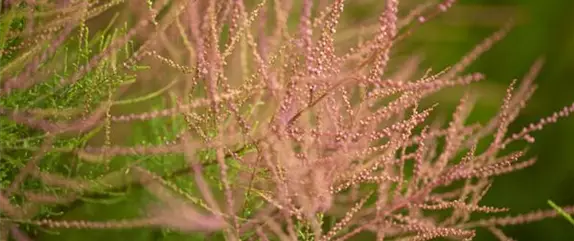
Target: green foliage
column 54, row 102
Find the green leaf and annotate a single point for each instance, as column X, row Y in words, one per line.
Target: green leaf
column 561, row 212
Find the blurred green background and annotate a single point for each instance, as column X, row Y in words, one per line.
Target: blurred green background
column 545, row 29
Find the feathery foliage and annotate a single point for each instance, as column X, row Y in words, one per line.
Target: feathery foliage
column 262, row 123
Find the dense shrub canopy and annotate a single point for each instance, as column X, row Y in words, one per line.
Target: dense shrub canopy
column 241, row 120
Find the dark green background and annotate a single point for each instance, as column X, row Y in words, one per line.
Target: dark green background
column 545, row 29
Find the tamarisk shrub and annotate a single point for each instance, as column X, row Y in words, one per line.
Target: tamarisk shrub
column 261, row 131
